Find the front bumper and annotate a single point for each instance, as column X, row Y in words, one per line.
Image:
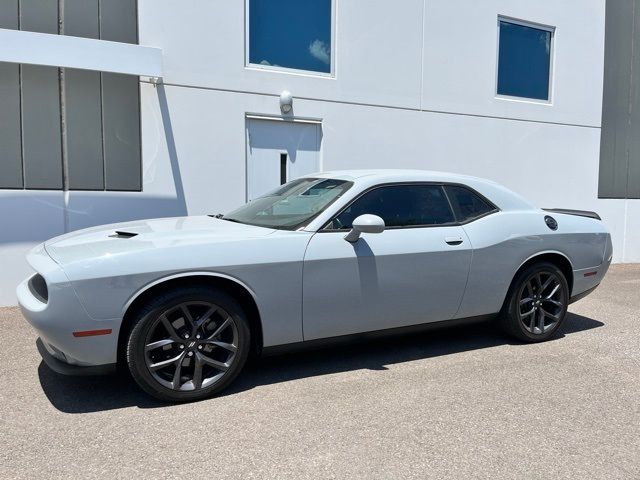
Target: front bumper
column 58, row 317
column 48, row 354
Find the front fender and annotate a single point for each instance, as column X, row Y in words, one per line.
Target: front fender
column 195, row 273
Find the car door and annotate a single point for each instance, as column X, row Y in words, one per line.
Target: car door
column 414, row 272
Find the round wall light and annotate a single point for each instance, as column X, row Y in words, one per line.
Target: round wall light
column 286, row 102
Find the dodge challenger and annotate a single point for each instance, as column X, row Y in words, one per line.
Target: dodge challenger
column 182, row 302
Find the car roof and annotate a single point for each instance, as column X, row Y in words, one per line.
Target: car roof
column 382, row 175
column 502, row 197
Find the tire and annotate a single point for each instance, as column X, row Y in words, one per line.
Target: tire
column 530, row 315
column 185, row 331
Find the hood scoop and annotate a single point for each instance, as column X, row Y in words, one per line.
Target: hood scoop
column 123, row 234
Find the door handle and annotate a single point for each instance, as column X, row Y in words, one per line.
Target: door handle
column 453, row 240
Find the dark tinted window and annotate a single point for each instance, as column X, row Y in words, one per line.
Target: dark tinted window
column 466, row 204
column 290, row 33
column 524, row 61
column 400, row 206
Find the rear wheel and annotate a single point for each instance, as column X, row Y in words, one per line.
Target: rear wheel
column 536, row 304
column 188, row 344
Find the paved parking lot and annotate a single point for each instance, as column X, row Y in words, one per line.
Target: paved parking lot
column 465, row 402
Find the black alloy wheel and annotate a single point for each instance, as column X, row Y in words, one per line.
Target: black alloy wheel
column 536, row 304
column 188, row 344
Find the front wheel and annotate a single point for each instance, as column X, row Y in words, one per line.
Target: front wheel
column 188, row 344
column 536, row 304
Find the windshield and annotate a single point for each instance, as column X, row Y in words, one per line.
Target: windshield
column 291, row 205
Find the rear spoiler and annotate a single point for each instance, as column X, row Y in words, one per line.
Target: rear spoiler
column 579, row 213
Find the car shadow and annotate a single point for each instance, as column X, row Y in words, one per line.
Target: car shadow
column 92, row 394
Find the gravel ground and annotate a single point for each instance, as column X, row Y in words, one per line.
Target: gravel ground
column 463, row 402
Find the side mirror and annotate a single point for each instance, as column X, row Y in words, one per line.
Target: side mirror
column 365, row 224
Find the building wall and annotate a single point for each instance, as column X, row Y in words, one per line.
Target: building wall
column 64, row 128
column 413, row 87
column 66, row 135
column 620, row 146
column 394, row 101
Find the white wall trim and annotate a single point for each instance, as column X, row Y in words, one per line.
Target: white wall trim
column 377, row 105
column 280, row 118
column 33, row 48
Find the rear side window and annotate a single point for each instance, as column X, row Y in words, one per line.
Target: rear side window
column 466, row 204
column 399, row 206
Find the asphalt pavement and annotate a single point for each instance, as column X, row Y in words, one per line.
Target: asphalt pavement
column 464, row 402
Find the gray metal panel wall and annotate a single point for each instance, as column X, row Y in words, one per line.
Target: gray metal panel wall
column 9, row 14
column 118, row 20
column 121, row 115
column 82, row 107
column 81, row 18
column 10, row 135
column 619, row 175
column 39, row 16
column 121, row 102
column 633, row 132
column 83, row 114
column 90, row 138
column 41, row 135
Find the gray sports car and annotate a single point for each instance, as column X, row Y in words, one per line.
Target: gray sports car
column 181, row 302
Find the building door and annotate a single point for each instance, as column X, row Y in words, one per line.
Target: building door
column 279, row 151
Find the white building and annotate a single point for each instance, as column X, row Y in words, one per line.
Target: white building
column 510, row 90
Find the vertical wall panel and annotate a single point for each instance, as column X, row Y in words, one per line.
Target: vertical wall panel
column 81, row 18
column 619, row 175
column 39, row 15
column 83, row 111
column 119, row 20
column 101, row 111
column 633, row 131
column 121, row 105
column 121, row 116
column 10, row 149
column 9, row 14
column 615, row 106
column 41, row 127
column 42, row 158
column 85, row 167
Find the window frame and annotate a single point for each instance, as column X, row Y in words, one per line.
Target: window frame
column 552, row 56
column 287, row 70
column 300, row 226
column 456, row 222
column 493, row 208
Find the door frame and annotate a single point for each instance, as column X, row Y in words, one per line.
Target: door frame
column 278, row 118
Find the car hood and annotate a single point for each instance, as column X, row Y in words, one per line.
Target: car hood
column 131, row 237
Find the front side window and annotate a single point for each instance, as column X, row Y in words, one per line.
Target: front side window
column 399, row 206
column 466, row 204
column 291, row 205
column 292, row 34
column 524, row 60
